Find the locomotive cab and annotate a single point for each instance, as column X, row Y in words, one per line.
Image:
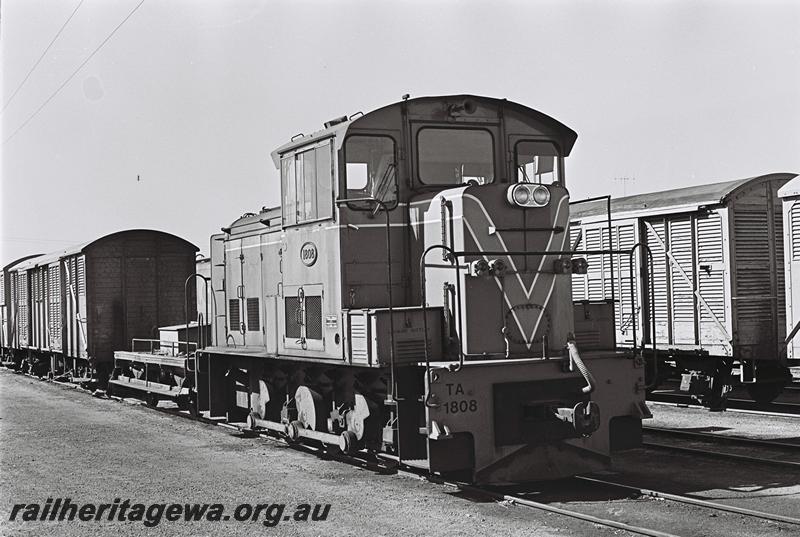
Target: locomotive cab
column 413, row 296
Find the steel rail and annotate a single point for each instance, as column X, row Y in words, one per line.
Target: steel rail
column 695, row 501
column 498, row 496
column 721, row 455
column 675, row 399
column 722, row 439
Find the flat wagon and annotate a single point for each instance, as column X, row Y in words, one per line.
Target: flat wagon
column 716, row 300
column 87, row 301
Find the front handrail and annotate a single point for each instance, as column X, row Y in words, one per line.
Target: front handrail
column 455, row 255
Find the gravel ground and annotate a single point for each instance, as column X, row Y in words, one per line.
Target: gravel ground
column 56, row 442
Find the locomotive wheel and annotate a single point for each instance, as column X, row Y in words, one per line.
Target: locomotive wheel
column 348, row 442
column 764, row 392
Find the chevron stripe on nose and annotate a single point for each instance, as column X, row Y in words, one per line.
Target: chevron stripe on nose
column 513, row 289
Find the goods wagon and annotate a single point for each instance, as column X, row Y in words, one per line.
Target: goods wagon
column 790, row 196
column 716, row 300
column 412, row 296
column 87, row 301
column 9, row 313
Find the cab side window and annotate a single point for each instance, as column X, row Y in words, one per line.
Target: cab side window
column 371, row 170
column 307, row 184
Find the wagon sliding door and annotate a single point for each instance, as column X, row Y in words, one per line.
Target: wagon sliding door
column 688, row 280
column 75, row 343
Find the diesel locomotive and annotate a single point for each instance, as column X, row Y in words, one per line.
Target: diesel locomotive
column 412, row 296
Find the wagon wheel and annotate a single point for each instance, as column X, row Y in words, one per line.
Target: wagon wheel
column 151, row 400
column 775, row 377
column 184, row 402
column 765, row 392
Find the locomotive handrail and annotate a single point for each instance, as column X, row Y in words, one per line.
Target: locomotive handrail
column 201, row 332
column 630, row 252
column 651, row 305
column 607, row 197
column 382, row 205
column 171, row 345
column 453, row 260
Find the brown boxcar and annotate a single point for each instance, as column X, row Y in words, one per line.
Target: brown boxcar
column 83, row 303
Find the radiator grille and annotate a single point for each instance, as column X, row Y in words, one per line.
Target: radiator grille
column 253, row 317
column 234, row 314
column 314, row 317
column 358, row 337
column 292, row 307
column 411, row 349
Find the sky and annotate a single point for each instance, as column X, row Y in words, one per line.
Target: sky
column 170, row 122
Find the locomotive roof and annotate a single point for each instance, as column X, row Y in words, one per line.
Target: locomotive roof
column 673, row 200
column 790, row 189
column 46, row 259
column 340, row 129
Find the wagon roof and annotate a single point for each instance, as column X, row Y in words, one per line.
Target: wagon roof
column 790, row 189
column 673, row 200
column 16, row 262
column 51, row 257
column 340, row 129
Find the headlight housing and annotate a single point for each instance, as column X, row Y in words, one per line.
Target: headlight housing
column 528, row 195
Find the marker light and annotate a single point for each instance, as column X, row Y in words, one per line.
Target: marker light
column 497, row 267
column 579, row 265
column 479, row 268
column 562, row 265
column 528, row 195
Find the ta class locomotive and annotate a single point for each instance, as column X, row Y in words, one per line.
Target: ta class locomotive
column 412, row 296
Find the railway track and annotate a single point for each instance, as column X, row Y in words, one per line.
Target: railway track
column 770, row 452
column 734, row 405
column 388, row 465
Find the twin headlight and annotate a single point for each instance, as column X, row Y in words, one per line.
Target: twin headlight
column 528, row 195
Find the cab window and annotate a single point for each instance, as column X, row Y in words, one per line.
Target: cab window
column 307, row 185
column 448, row 156
column 370, row 170
column 537, row 162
